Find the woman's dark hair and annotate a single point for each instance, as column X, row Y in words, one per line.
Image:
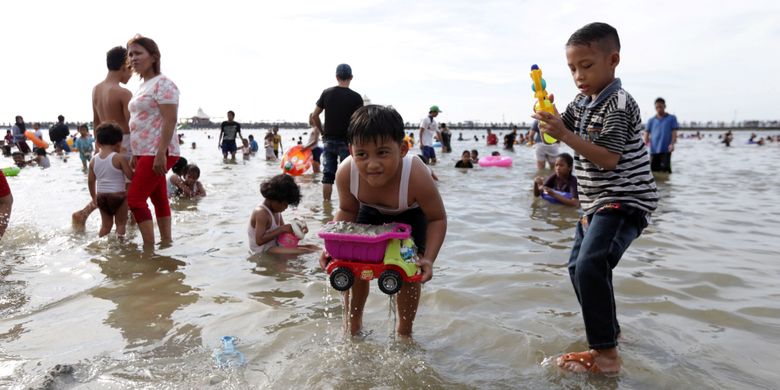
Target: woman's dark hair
column 281, row 188
column 19, row 122
column 567, row 157
column 116, row 58
column 193, row 169
column 375, row 123
column 108, row 133
column 180, row 167
column 150, row 46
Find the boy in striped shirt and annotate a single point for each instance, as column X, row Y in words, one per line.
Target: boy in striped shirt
column 616, row 189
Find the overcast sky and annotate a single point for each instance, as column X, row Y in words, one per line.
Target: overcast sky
column 271, row 60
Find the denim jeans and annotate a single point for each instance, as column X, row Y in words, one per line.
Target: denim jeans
column 596, row 251
column 64, row 145
column 333, row 150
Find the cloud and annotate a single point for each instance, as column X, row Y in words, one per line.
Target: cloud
column 270, row 61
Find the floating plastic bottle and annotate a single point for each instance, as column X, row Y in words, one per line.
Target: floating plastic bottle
column 228, row 356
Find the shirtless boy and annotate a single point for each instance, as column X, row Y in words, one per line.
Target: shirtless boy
column 110, row 103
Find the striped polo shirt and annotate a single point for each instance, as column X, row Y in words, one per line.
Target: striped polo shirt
column 612, row 121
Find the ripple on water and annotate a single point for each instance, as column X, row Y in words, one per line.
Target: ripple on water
column 696, row 293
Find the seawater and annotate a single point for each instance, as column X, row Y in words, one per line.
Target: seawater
column 697, row 293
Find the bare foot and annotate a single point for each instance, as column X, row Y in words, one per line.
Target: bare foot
column 355, row 324
column 593, row 361
column 79, row 218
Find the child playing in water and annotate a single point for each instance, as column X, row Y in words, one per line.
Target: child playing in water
column 560, row 181
column 176, row 180
column 191, row 186
column 40, row 159
column 84, row 145
column 269, row 146
column 19, row 160
column 465, row 160
column 106, row 180
column 474, row 156
column 266, row 223
column 381, row 183
column 612, row 166
column 245, row 151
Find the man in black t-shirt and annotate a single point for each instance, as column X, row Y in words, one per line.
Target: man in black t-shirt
column 59, row 135
column 227, row 136
column 339, row 103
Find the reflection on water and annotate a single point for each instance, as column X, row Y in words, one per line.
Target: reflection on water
column 146, row 291
column 697, row 293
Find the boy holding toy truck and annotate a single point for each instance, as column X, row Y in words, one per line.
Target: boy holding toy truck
column 381, row 183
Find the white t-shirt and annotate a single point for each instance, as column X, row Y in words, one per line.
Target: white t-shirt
column 314, row 137
column 145, row 118
column 430, row 127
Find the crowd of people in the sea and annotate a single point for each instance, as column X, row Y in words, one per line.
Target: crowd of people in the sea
column 381, row 173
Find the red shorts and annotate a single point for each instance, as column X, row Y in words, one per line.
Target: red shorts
column 5, row 190
column 148, row 185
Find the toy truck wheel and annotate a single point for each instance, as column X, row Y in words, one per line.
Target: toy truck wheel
column 341, row 279
column 390, row 282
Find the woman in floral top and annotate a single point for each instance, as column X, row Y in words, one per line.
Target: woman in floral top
column 153, row 115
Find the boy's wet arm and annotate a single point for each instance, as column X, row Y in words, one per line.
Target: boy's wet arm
column 427, row 196
column 348, row 205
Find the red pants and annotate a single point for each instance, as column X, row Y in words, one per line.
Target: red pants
column 4, row 189
column 148, row 185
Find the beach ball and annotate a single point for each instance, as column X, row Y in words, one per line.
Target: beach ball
column 296, row 161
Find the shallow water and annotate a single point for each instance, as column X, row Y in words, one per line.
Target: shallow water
column 697, row 293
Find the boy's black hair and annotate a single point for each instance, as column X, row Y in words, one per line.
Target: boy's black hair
column 17, row 153
column 660, row 100
column 475, row 151
column 231, row 113
column 108, row 133
column 495, row 153
column 465, row 152
column 40, row 152
column 193, row 169
column 251, row 136
column 116, row 58
column 180, row 167
column 84, row 126
column 281, row 188
column 567, row 157
column 375, row 123
column 599, row 33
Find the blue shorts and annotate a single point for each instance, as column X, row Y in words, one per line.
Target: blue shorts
column 334, row 153
column 228, row 146
column 316, row 152
column 428, row 153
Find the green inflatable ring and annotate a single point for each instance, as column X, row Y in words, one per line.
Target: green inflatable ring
column 11, row 171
